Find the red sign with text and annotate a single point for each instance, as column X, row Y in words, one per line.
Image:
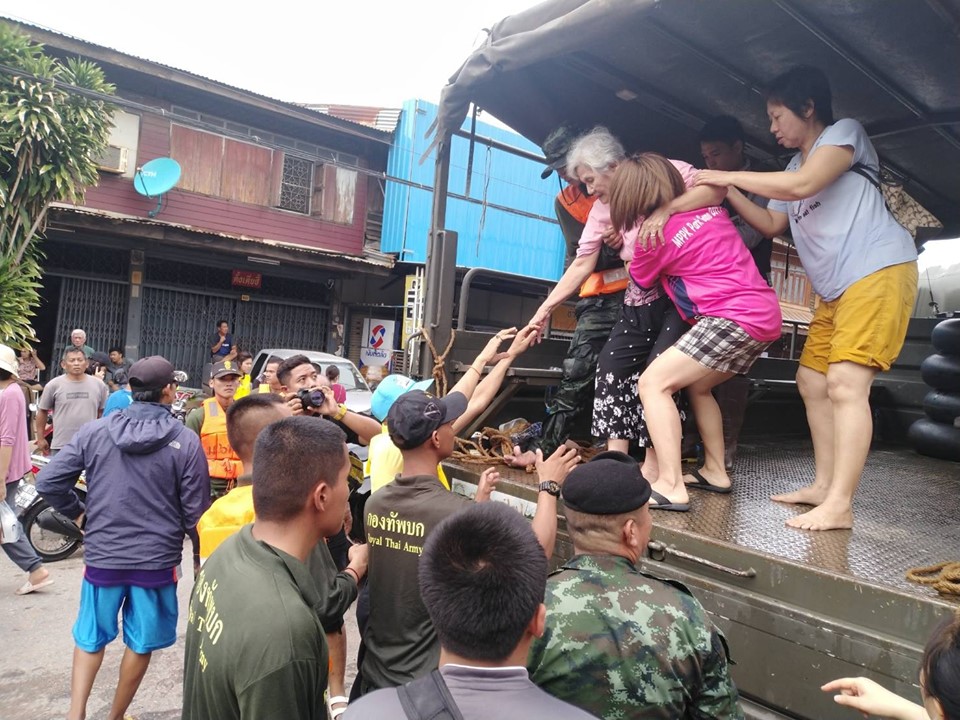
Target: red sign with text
column 246, row 279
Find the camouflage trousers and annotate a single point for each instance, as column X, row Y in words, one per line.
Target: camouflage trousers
column 596, row 316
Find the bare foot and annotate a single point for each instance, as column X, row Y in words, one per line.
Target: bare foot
column 824, row 517
column 520, row 459
column 809, row 495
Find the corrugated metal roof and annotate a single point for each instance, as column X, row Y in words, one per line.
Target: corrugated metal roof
column 381, row 118
column 528, row 242
column 796, row 313
column 373, row 258
column 335, row 121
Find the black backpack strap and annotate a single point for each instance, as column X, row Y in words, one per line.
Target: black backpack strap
column 428, row 698
column 868, row 173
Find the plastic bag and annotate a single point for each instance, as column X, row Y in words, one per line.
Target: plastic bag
column 9, row 525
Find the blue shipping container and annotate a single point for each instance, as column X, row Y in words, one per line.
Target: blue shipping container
column 529, row 244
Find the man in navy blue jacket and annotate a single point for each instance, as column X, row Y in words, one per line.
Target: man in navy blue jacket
column 147, row 486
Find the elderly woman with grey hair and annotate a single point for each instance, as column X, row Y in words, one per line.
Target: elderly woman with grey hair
column 648, row 323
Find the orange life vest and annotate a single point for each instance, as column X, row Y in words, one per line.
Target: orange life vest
column 576, row 203
column 222, row 461
column 605, row 282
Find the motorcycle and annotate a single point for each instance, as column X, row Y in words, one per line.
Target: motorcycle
column 52, row 535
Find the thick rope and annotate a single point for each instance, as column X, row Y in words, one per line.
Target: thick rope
column 943, row 577
column 439, row 361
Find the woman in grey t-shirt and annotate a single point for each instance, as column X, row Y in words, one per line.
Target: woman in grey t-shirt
column 859, row 259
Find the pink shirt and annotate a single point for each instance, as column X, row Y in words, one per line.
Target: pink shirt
column 708, row 271
column 598, row 221
column 13, row 431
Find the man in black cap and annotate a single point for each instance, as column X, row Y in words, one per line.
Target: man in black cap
column 147, row 486
column 401, row 643
column 619, row 642
column 596, row 311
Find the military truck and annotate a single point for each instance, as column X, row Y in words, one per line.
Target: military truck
column 798, row 608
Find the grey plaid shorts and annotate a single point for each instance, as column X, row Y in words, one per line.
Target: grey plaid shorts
column 721, row 345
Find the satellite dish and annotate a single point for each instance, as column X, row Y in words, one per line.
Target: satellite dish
column 155, row 178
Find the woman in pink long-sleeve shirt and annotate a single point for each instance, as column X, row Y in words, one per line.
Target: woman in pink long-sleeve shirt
column 710, row 275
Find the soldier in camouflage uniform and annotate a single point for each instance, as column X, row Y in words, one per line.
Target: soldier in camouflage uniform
column 620, row 643
column 596, row 315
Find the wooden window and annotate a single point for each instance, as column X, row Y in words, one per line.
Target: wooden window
column 200, row 156
column 335, row 193
column 215, row 165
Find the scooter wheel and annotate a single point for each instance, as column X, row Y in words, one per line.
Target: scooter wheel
column 935, row 439
column 51, row 546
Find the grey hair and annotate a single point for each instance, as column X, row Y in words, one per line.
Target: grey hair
column 79, row 331
column 598, row 150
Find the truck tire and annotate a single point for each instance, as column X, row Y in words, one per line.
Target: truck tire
column 941, row 372
column 942, row 407
column 935, row 439
column 946, row 336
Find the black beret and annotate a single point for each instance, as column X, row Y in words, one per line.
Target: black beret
column 609, row 484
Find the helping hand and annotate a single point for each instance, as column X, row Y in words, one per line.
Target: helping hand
column 612, row 239
column 557, row 466
column 487, row 484
column 870, row 698
column 489, row 351
column 717, row 178
column 523, row 341
column 651, row 231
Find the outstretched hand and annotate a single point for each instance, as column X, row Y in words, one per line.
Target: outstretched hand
column 539, row 321
column 487, row 484
column 490, row 351
column 557, row 466
column 871, row 698
column 523, row 341
column 717, row 178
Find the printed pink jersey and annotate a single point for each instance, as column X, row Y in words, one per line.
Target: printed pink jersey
column 707, row 271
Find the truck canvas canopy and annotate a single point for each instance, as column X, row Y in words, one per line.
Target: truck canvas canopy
column 653, row 71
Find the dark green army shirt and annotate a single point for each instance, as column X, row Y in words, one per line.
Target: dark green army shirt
column 401, row 642
column 621, row 644
column 254, row 644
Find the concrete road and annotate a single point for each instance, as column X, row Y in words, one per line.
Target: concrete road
column 37, row 650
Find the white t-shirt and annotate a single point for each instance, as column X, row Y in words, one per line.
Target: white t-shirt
column 845, row 232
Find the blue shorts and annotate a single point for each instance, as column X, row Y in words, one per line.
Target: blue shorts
column 149, row 617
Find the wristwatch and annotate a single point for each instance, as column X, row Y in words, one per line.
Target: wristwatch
column 549, row 486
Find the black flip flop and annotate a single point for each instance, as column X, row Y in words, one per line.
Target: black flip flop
column 702, row 484
column 663, row 503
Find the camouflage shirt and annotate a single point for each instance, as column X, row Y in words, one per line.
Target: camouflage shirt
column 623, row 644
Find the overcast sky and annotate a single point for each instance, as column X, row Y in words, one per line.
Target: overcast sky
column 359, row 52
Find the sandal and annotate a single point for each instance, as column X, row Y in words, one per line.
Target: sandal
column 337, row 700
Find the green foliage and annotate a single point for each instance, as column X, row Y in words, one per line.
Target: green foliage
column 49, row 139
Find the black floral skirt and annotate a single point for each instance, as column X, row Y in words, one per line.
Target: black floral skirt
column 640, row 335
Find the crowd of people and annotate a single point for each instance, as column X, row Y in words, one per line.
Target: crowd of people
column 457, row 614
